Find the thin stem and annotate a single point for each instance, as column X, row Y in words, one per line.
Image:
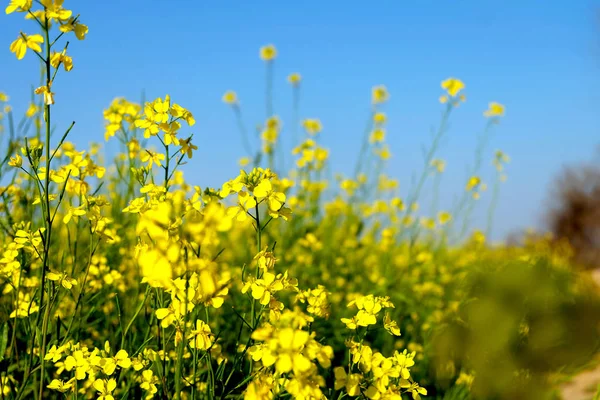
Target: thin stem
column 48, row 220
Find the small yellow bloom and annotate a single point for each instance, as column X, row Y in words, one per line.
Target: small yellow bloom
column 230, row 97
column 19, row 6
column 61, row 58
column 453, row 86
column 268, row 52
column 377, row 136
column 379, row 118
column 294, row 79
column 60, row 386
column 16, row 161
column 494, row 110
column 187, row 146
column 24, row 42
column 54, row 10
column 312, row 126
column 75, row 26
column 473, row 182
column 390, row 325
column 380, row 94
column 105, row 388
column 244, row 161
column 31, row 110
column 151, row 157
column 47, row 93
column 444, row 217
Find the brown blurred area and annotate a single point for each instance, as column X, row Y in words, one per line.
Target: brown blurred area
column 574, row 211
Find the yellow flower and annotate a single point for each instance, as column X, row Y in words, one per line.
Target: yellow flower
column 201, row 337
column 149, row 382
column 63, row 279
column 275, row 200
column 55, row 10
column 187, row 146
column 105, row 388
column 244, row 161
column 380, row 94
column 494, row 110
column 473, row 182
column 240, row 211
column 19, row 6
column 16, row 161
column 268, row 52
column 444, row 217
column 23, row 42
column 151, row 157
column 179, row 112
column 47, row 93
column 350, row 382
column 61, row 58
column 294, row 79
column 120, row 359
column 453, row 86
column 390, row 325
column 230, row 97
column 60, row 386
column 71, row 25
column 377, row 136
column 312, row 126
column 379, row 118
column 170, row 131
column 73, row 212
column 31, row 110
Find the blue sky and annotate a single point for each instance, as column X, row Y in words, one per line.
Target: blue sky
column 542, row 60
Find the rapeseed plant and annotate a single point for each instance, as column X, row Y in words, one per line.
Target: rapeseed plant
column 132, row 282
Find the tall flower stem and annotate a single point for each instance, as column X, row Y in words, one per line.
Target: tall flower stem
column 47, row 217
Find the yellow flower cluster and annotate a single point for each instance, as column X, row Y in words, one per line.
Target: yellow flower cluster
column 217, row 292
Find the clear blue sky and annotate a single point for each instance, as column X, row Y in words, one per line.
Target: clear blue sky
column 540, row 59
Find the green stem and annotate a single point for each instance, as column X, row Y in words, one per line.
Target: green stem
column 48, row 221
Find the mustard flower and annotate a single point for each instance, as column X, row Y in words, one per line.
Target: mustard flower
column 201, row 337
column 62, row 278
column 61, row 386
column 47, row 93
column 18, row 6
column 312, row 126
column 452, row 86
column 105, row 388
column 377, row 135
column 152, row 157
column 294, row 79
column 72, row 25
column 230, row 97
column 54, row 10
column 380, row 94
column 149, row 382
column 494, row 110
column 56, row 59
column 24, row 42
column 268, row 52
column 444, row 217
column 16, row 161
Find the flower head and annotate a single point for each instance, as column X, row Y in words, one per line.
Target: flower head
column 268, row 52
column 24, row 42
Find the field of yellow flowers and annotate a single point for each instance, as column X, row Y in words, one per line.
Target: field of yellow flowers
column 135, row 283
